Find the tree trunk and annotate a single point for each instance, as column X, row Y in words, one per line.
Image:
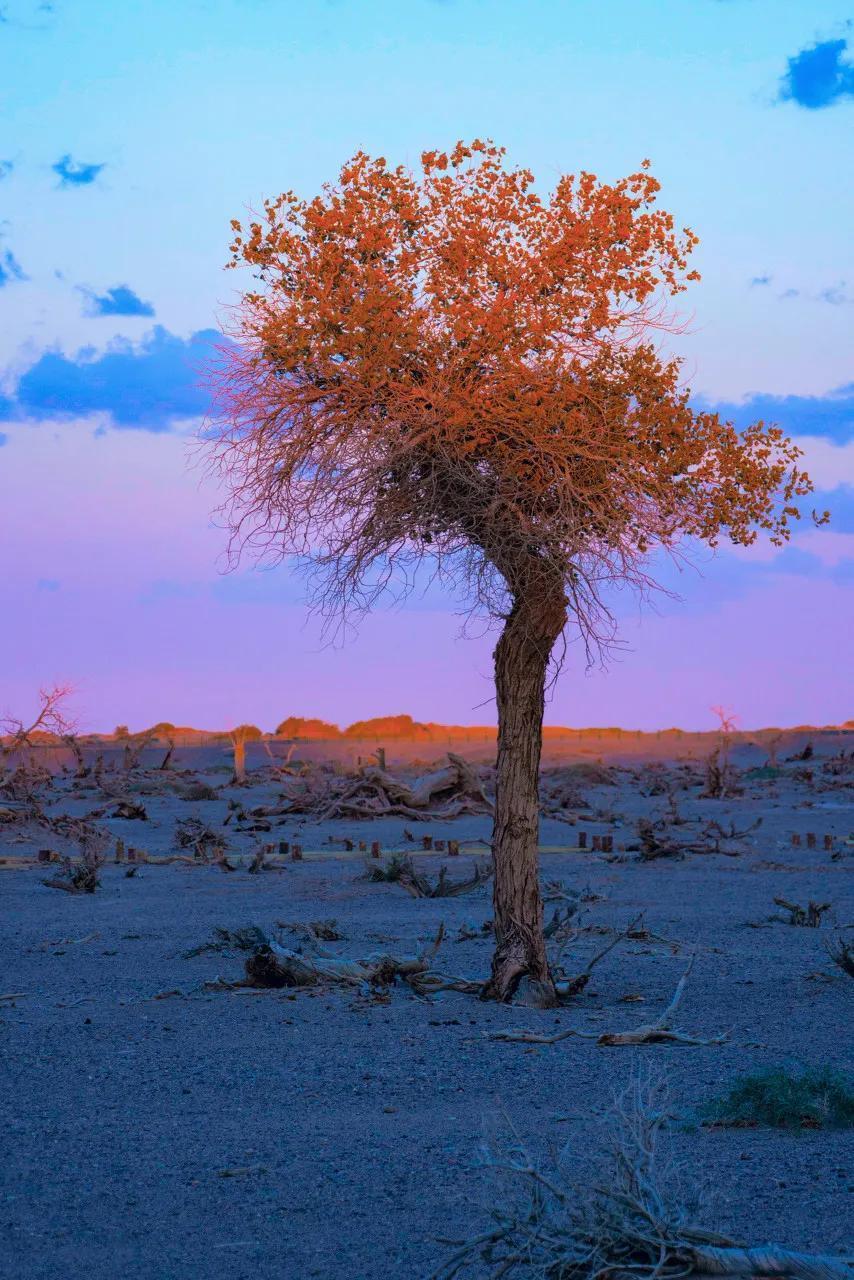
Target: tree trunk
column 521, row 663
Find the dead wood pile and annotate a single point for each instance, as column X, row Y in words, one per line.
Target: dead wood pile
column 375, row 793
column 309, row 964
column 618, row 1212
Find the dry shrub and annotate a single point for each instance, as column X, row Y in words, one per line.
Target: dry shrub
column 633, row 1216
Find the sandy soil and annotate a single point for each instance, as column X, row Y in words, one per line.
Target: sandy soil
column 154, row 1128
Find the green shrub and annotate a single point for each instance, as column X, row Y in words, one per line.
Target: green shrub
column 815, row 1098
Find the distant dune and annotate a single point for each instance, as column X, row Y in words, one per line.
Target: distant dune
column 406, row 741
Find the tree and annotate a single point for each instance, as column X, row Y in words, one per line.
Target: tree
column 51, row 722
column 242, row 734
column 299, row 727
column 449, row 368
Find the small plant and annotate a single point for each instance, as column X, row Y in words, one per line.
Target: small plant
column 841, row 952
column 815, row 1098
column 397, row 866
column 401, row 870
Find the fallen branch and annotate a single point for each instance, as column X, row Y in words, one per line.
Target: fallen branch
column 272, row 965
column 658, row 1032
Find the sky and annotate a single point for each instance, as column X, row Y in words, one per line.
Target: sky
column 130, row 136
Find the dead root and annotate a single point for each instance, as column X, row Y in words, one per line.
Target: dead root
column 808, row 917
column 659, row 1032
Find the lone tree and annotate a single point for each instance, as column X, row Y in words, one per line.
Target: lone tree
column 449, row 367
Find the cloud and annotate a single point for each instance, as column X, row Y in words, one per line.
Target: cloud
column 6, row 167
column 48, row 584
column 4, row 439
column 73, row 173
column 818, row 77
column 120, row 300
column 829, row 464
column 759, row 280
column 836, row 295
column 149, row 386
column 828, row 546
column 10, row 269
column 21, row 13
column 830, row 415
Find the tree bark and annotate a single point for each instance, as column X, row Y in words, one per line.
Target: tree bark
column 521, row 663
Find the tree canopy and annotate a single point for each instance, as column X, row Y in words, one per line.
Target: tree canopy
column 452, row 365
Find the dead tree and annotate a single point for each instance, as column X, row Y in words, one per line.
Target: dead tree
column 134, row 747
column 720, row 777
column 239, row 737
column 51, row 719
column 82, row 770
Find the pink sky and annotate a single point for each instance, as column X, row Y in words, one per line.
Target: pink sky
column 111, row 582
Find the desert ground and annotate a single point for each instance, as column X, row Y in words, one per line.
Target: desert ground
column 162, row 1118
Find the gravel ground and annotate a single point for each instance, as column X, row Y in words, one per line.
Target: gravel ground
column 333, row 1134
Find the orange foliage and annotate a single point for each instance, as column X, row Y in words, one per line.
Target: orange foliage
column 381, row 727
column 300, row 727
column 452, row 365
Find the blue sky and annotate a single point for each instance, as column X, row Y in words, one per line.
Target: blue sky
column 131, row 133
